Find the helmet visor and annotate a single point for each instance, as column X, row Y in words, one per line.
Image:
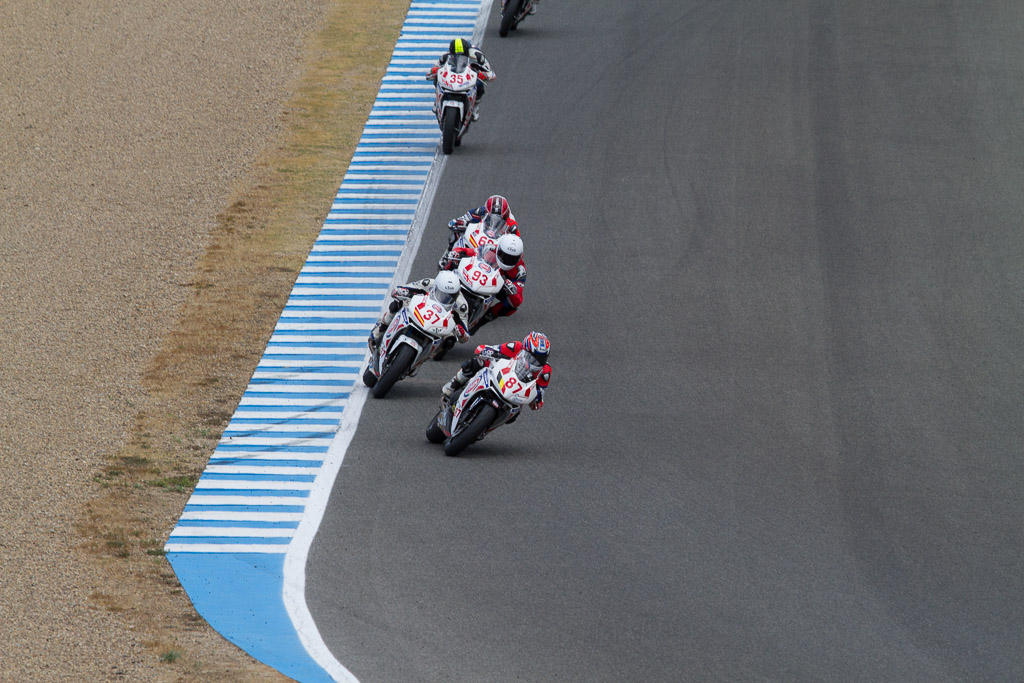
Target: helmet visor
column 527, row 366
column 443, row 298
column 507, row 260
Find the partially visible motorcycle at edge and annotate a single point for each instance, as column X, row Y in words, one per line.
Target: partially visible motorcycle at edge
column 512, row 14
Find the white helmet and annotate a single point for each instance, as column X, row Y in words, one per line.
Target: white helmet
column 510, row 250
column 446, row 288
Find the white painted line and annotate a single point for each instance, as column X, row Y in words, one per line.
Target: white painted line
column 277, row 549
column 231, row 532
column 255, row 501
column 249, row 483
column 234, row 456
column 198, row 516
column 250, row 469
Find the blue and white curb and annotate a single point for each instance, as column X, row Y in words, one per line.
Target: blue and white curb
column 240, row 546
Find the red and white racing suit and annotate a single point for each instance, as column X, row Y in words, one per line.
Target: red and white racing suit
column 485, row 353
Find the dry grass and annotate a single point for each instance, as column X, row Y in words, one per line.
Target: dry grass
column 238, row 290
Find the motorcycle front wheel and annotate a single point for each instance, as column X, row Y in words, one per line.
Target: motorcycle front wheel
column 449, row 129
column 400, row 364
column 461, row 439
column 434, row 432
column 508, row 17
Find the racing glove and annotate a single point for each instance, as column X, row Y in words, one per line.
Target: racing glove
column 538, row 402
column 448, row 260
column 510, row 288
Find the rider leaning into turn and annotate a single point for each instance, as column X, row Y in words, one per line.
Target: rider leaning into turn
column 534, row 350
column 444, row 290
column 497, row 206
column 509, row 253
column 477, row 61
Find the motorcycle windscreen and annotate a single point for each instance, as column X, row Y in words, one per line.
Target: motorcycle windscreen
column 458, row 63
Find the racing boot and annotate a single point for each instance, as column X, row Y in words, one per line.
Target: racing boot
column 446, row 346
column 375, row 335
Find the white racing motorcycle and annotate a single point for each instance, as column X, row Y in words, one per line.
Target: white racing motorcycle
column 481, row 280
column 483, row 232
column 455, row 99
column 494, row 396
column 416, row 334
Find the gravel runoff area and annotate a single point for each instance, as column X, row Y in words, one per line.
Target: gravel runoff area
column 125, row 127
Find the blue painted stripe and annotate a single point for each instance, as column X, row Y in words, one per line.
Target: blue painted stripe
column 315, row 319
column 280, row 493
column 298, row 394
column 323, row 309
column 285, row 408
column 232, row 540
column 335, row 297
column 232, row 524
column 244, row 508
column 226, row 476
column 223, row 450
column 352, row 264
column 240, row 594
column 294, row 421
column 300, row 382
column 312, row 465
column 320, row 345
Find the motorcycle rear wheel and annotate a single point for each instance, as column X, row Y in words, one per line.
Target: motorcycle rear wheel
column 508, row 17
column 369, row 379
column 434, row 431
column 399, row 365
column 449, row 129
column 459, row 441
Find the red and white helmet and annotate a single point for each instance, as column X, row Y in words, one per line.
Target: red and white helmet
column 509, row 251
column 498, row 205
column 538, row 345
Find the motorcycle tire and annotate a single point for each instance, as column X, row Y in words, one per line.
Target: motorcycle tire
column 434, row 432
column 459, row 441
column 369, row 379
column 400, row 364
column 508, row 17
column 449, row 129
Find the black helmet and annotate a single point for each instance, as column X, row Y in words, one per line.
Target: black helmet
column 459, row 46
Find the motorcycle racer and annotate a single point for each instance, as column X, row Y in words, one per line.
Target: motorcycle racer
column 444, row 289
column 532, row 353
column 479, row 63
column 509, row 253
column 496, row 205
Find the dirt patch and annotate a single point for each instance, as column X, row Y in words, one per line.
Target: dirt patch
column 165, row 170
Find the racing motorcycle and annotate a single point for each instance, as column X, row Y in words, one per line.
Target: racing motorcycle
column 481, row 280
column 494, row 396
column 512, row 13
column 455, row 99
column 477, row 235
column 416, row 334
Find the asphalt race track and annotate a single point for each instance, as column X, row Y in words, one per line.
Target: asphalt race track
column 778, row 249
